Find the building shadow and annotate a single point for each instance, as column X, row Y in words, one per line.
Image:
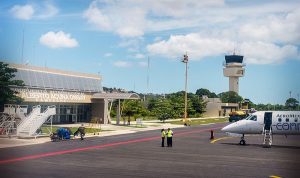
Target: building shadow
column 260, row 145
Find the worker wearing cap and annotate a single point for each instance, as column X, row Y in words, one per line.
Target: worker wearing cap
column 169, row 137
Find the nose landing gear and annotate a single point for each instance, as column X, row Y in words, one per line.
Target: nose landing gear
column 243, row 142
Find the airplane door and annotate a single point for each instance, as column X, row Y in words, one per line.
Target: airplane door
column 268, row 120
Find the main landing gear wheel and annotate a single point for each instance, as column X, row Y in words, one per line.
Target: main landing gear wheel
column 243, row 142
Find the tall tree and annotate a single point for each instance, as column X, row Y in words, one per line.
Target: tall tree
column 266, row 107
column 195, row 105
column 230, row 97
column 163, row 109
column 177, row 104
column 8, row 96
column 198, row 105
column 202, row 91
column 291, row 103
column 133, row 108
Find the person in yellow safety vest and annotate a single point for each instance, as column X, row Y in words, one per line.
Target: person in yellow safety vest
column 169, row 137
column 163, row 136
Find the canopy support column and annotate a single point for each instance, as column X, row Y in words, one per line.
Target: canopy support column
column 118, row 112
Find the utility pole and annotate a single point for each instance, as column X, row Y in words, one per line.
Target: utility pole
column 148, row 79
column 148, row 69
column 185, row 60
column 298, row 101
column 22, row 54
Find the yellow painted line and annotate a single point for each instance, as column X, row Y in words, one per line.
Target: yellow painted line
column 222, row 138
column 274, row 176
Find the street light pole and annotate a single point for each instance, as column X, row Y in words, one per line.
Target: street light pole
column 298, row 101
column 185, row 60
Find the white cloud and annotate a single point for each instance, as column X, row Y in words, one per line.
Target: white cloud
column 95, row 16
column 199, row 47
column 29, row 11
column 202, row 28
column 108, row 54
column 132, row 44
column 22, row 12
column 156, row 39
column 267, row 53
column 139, row 56
column 278, row 29
column 126, row 64
column 47, row 10
column 120, row 18
column 194, row 44
column 133, row 18
column 130, row 31
column 58, row 40
column 122, row 64
column 270, row 35
column 143, row 64
column 179, row 9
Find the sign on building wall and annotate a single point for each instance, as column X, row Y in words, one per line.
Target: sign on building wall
column 36, row 95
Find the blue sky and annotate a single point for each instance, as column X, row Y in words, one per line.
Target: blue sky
column 115, row 38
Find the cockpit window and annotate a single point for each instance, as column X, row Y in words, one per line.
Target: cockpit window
column 252, row 118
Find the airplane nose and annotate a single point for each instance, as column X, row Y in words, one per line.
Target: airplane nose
column 225, row 129
column 229, row 128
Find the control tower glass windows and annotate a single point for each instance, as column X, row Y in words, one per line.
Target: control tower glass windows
column 234, row 59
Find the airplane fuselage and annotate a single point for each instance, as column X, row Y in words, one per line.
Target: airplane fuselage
column 280, row 122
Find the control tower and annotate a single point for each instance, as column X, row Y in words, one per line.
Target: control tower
column 234, row 68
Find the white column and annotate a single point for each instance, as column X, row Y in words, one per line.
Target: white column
column 105, row 121
column 234, row 84
column 118, row 112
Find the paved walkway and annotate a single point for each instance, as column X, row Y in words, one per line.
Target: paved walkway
column 108, row 130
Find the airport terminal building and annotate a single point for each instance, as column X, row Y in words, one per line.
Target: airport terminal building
column 78, row 97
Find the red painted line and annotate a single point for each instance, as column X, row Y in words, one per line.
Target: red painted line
column 97, row 147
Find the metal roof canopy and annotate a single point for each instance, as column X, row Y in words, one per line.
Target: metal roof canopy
column 115, row 96
column 112, row 97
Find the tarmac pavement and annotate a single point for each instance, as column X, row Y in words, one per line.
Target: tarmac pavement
column 139, row 154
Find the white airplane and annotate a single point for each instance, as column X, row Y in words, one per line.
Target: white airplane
column 267, row 123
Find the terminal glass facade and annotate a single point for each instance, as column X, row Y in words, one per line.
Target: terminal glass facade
column 66, row 112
